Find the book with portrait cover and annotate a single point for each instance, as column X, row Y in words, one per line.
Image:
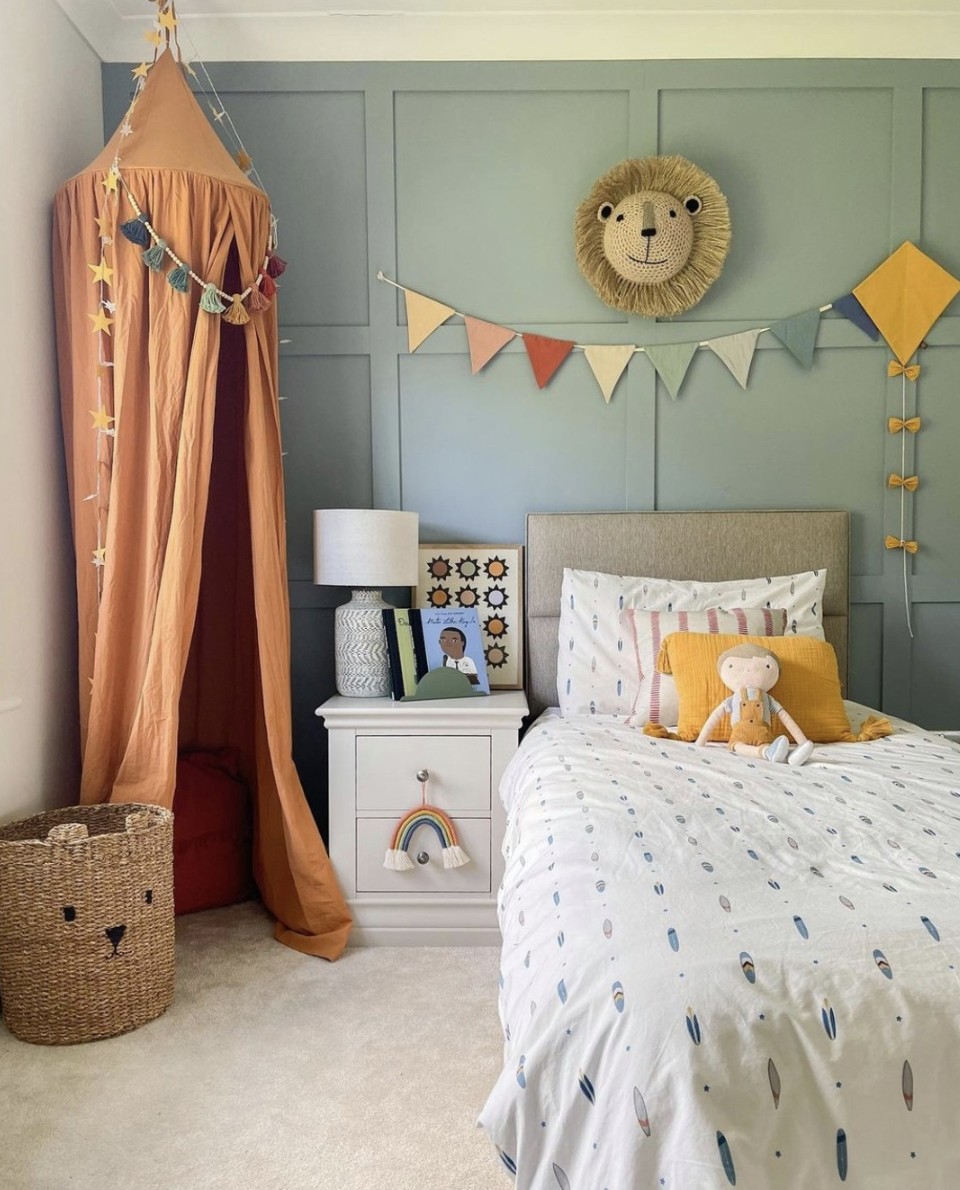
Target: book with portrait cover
column 424, row 639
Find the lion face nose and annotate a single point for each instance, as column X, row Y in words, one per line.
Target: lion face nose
column 649, row 224
column 115, row 934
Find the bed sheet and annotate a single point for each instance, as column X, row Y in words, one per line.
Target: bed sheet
column 720, row 972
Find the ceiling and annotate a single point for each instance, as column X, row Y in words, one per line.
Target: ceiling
column 461, row 30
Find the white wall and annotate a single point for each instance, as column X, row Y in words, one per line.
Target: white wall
column 50, row 126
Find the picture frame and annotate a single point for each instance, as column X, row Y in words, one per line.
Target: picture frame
column 488, row 578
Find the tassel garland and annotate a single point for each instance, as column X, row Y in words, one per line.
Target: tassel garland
column 236, row 315
column 210, row 302
column 179, row 278
column 256, row 300
column 154, row 257
column 268, row 287
column 275, row 265
column 135, row 230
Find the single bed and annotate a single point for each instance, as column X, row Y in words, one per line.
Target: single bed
column 717, row 972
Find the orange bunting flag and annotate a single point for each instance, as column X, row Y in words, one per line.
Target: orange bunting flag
column 546, row 355
column 608, row 365
column 424, row 315
column 485, row 339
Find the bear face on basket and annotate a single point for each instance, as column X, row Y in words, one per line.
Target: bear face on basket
column 86, row 922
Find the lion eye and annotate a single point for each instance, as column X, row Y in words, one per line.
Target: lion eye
column 605, row 211
column 693, row 204
column 69, row 913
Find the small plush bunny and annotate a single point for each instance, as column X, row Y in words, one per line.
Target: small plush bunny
column 751, row 671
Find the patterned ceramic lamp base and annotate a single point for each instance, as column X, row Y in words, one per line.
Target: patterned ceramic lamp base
column 363, row 667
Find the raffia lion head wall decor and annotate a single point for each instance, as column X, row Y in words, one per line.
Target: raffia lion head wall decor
column 652, row 235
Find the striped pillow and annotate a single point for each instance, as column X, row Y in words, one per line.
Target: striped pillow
column 657, row 700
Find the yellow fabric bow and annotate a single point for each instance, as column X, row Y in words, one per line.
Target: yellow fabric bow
column 894, row 368
column 911, row 483
column 894, row 543
column 896, row 424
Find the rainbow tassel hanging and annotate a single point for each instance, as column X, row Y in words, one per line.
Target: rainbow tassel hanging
column 154, row 257
column 135, row 230
column 210, row 302
column 179, row 278
column 256, row 300
column 236, row 315
column 452, row 854
column 275, row 265
column 268, row 286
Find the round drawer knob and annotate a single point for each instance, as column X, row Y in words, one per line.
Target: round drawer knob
column 423, row 775
column 422, row 857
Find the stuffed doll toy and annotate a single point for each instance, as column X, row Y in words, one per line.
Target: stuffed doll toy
column 751, row 672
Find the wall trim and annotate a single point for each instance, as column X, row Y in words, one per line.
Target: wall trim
column 394, row 34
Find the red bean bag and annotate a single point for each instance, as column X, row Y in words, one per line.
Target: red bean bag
column 212, row 832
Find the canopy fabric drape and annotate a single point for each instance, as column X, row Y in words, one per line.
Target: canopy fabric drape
column 168, row 364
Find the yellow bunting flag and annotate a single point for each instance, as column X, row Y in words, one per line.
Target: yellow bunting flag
column 608, row 364
column 424, row 315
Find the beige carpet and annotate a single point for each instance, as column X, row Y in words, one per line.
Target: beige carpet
column 270, row 1070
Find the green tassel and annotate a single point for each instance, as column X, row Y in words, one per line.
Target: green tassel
column 179, row 278
column 154, row 257
column 210, row 302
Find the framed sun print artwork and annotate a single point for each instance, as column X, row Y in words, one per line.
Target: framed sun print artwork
column 490, row 579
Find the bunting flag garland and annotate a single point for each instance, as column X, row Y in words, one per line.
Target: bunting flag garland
column 546, row 355
column 424, row 315
column 608, row 365
column 485, row 339
column 736, row 351
column 671, row 361
column 799, row 335
column 851, row 309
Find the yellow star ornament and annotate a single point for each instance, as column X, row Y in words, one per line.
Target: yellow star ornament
column 100, row 322
column 111, row 182
column 98, row 558
column 101, row 419
column 102, row 222
column 168, row 20
column 153, row 36
column 102, row 271
column 244, row 160
column 141, row 71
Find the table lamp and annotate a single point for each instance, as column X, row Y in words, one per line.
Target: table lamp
column 365, row 549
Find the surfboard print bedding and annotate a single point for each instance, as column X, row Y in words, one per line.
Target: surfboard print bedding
column 718, row 972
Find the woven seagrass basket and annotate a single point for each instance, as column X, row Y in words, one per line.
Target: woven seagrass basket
column 86, row 921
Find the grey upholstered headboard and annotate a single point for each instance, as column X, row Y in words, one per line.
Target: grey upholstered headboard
column 709, row 546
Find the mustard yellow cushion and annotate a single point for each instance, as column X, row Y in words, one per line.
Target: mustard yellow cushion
column 808, row 687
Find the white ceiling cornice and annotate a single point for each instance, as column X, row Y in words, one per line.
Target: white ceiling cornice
column 520, row 30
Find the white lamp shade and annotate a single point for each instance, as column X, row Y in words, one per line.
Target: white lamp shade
column 365, row 547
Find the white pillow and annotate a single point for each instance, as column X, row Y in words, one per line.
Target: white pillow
column 657, row 700
column 596, row 667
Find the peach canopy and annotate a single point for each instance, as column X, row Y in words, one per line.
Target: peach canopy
column 188, row 483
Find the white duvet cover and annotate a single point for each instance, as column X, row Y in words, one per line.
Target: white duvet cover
column 723, row 972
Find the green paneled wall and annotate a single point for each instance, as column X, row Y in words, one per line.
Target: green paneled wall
column 461, row 179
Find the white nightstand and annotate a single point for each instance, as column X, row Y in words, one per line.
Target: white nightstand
column 377, row 749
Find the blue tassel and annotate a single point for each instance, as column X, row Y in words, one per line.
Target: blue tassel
column 179, row 278
column 135, row 230
column 154, row 257
column 210, row 301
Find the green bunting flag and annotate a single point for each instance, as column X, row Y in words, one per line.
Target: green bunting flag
column 671, row 361
column 799, row 335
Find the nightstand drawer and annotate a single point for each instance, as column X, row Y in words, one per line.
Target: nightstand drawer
column 459, row 768
column 373, row 839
